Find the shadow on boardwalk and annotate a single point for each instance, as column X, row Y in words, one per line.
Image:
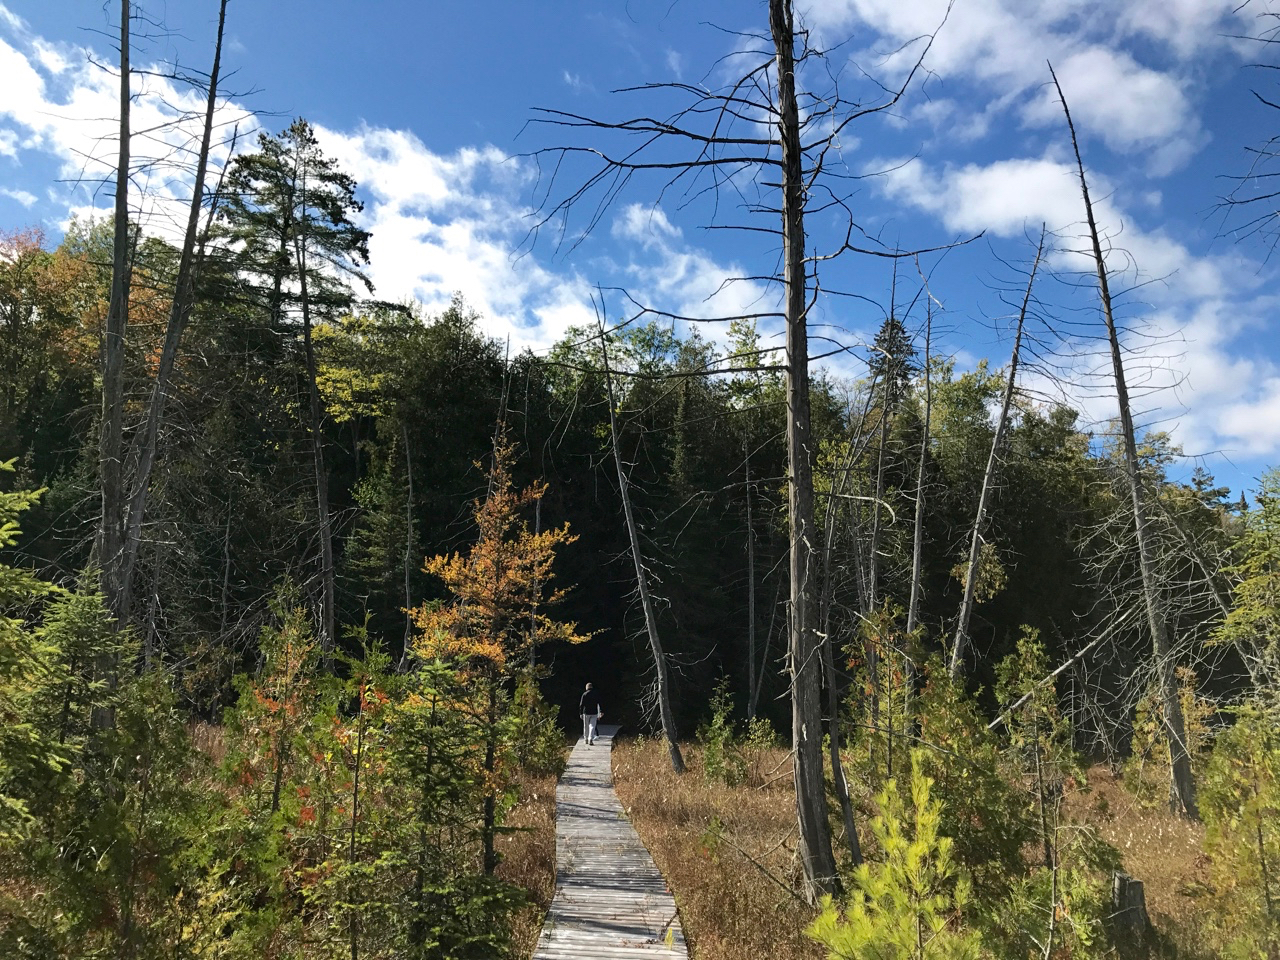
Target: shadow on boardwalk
column 611, row 901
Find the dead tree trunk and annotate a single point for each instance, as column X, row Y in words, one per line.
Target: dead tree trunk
column 872, row 644
column 827, row 640
column 764, row 653
column 989, row 480
column 751, row 589
column 184, row 296
column 917, row 539
column 816, row 856
column 408, row 549
column 1182, row 796
column 328, row 633
column 642, row 577
column 769, row 90
column 110, row 533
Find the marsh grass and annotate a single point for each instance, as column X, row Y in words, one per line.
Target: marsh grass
column 1164, row 851
column 704, row 836
column 529, row 857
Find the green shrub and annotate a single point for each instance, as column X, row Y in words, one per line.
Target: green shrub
column 909, row 906
column 985, row 813
column 537, row 740
column 721, row 760
column 1059, row 909
column 757, row 750
column 1240, row 804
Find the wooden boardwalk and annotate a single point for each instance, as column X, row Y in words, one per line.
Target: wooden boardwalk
column 611, row 902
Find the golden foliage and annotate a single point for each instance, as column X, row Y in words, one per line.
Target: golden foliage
column 501, row 585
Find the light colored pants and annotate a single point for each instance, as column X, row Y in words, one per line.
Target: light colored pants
column 589, row 726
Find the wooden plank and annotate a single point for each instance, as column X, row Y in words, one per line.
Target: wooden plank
column 611, row 902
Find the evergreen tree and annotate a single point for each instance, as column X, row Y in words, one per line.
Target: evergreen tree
column 28, row 754
column 1240, row 804
column 1252, row 626
column 288, row 221
column 909, row 906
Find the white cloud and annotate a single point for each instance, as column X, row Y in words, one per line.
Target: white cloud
column 1132, row 108
column 442, row 224
column 675, row 64
column 1185, row 26
column 1006, row 197
column 50, row 57
column 1003, row 46
column 1254, row 422
column 952, row 120
column 666, row 273
column 644, row 223
column 1193, row 366
column 21, row 196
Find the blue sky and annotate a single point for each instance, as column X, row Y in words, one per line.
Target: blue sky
column 425, row 105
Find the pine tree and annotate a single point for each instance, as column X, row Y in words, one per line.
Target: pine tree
column 1252, row 626
column 909, row 906
column 1240, row 804
column 289, row 221
column 28, row 754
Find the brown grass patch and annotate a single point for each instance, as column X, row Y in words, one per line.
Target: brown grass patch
column 209, row 739
column 729, row 908
column 529, row 857
column 1164, row 851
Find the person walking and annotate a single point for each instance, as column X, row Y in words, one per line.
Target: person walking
column 589, row 707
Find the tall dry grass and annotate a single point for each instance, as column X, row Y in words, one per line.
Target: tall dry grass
column 727, row 853
column 529, row 857
column 1164, row 851
column 704, row 838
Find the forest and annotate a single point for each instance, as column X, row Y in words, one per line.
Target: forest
column 299, row 586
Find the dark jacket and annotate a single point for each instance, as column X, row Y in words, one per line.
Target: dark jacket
column 589, row 704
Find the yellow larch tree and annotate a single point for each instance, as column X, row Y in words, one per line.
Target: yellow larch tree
column 501, row 589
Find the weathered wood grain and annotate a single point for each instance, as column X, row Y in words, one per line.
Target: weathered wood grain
column 611, row 902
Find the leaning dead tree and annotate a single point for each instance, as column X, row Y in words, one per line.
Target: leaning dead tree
column 184, row 296
column 1182, row 796
column 917, row 534
column 990, row 477
column 767, row 141
column 662, row 686
column 109, row 544
column 125, row 475
column 858, row 441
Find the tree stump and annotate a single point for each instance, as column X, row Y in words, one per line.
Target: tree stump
column 1128, row 906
